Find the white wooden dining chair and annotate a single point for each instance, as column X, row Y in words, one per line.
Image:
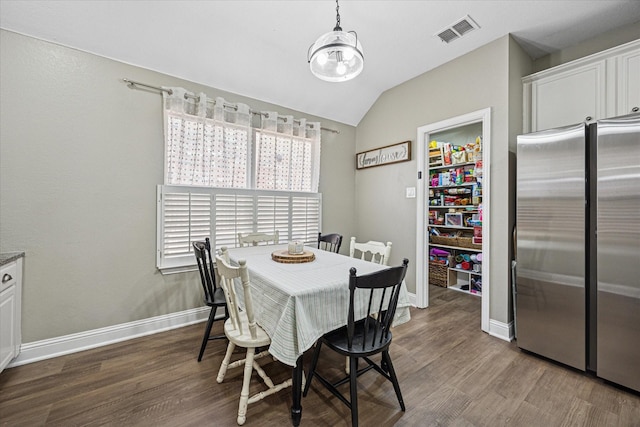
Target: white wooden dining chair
column 372, row 251
column 242, row 330
column 256, row 238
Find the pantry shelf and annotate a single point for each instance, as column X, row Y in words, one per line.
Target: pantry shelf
column 455, row 216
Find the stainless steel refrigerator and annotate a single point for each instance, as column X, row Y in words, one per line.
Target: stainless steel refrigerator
column 578, row 247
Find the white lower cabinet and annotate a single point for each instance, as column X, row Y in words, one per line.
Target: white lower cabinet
column 10, row 311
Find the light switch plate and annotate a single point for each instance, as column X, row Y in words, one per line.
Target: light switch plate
column 411, row 192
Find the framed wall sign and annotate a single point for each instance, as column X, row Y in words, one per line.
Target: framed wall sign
column 395, row 153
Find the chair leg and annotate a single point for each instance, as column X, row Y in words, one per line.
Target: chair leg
column 394, row 379
column 207, row 331
column 353, row 376
column 225, row 362
column 312, row 370
column 347, row 369
column 383, row 365
column 244, row 394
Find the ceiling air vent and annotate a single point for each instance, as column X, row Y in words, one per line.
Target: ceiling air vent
column 457, row 29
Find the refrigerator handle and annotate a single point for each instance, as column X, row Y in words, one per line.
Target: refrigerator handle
column 514, row 285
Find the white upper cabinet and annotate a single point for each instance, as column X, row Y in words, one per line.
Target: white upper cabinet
column 568, row 98
column 628, row 80
column 603, row 85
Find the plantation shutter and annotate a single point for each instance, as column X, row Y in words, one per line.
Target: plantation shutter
column 185, row 218
column 273, row 214
column 305, row 218
column 233, row 215
column 187, row 214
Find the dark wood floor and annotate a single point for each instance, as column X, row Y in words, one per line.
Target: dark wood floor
column 451, row 374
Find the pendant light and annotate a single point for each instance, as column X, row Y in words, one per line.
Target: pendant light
column 337, row 55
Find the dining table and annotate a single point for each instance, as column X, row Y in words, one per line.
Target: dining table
column 296, row 303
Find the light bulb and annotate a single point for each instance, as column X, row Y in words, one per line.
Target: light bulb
column 341, row 68
column 322, row 58
column 347, row 54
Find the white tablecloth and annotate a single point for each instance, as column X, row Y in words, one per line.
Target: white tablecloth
column 298, row 303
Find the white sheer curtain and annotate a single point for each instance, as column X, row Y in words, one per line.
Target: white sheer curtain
column 288, row 154
column 206, row 143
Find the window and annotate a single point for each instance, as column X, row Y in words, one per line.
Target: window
column 206, row 144
column 186, row 214
column 224, row 177
column 287, row 154
column 209, row 143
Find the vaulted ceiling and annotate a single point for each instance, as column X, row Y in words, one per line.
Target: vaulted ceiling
column 259, row 48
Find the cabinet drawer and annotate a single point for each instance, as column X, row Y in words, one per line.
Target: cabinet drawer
column 8, row 275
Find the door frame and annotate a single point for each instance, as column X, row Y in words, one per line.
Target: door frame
column 422, row 240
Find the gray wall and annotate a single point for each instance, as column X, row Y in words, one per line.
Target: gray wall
column 80, row 157
column 472, row 82
column 487, row 77
column 597, row 44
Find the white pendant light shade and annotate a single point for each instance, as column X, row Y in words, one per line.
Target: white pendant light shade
column 336, row 56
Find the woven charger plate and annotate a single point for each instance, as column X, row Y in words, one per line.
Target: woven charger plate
column 285, row 257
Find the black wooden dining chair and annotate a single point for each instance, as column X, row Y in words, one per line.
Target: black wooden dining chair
column 213, row 294
column 330, row 242
column 363, row 338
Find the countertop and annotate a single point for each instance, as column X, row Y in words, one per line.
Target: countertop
column 7, row 257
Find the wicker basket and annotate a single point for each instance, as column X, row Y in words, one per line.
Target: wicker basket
column 466, row 242
column 438, row 274
column 444, row 240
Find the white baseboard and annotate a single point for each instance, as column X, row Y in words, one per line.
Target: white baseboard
column 67, row 344
column 501, row 330
column 59, row 346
